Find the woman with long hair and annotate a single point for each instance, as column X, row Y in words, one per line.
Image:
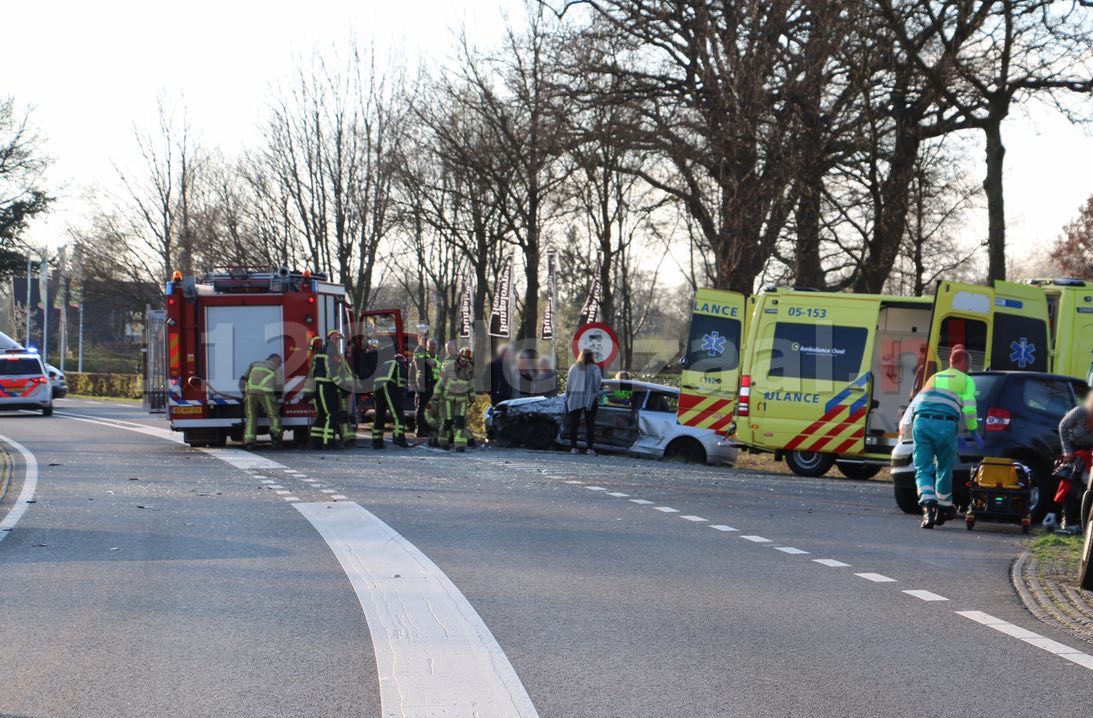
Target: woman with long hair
column 582, row 392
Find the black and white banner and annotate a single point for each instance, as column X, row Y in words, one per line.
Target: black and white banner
column 466, row 308
column 501, row 313
column 552, row 295
column 590, row 312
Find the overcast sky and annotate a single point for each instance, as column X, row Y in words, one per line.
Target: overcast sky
column 92, row 70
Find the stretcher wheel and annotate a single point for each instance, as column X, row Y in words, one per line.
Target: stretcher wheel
column 969, row 521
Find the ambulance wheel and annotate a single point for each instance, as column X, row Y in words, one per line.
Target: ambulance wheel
column 47, row 410
column 1085, row 568
column 969, row 521
column 809, row 463
column 1087, row 506
column 907, row 500
column 861, row 472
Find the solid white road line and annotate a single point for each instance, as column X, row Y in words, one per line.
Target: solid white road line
column 926, row 595
column 875, row 577
column 756, row 539
column 434, row 654
column 723, row 527
column 790, row 550
column 640, row 502
column 831, row 562
column 1033, row 639
column 696, row 519
column 26, row 494
column 666, row 509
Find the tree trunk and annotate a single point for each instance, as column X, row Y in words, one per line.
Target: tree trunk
column 807, row 270
column 996, row 207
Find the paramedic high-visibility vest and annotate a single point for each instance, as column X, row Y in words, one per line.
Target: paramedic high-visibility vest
column 262, row 378
column 950, row 392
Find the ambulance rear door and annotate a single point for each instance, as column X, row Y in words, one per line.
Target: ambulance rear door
column 711, row 360
column 962, row 315
column 1019, row 332
column 809, row 376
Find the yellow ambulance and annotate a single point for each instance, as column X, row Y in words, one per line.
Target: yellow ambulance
column 823, row 377
column 1070, row 313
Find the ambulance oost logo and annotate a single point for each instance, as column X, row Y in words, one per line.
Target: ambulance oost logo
column 1023, row 353
column 713, row 344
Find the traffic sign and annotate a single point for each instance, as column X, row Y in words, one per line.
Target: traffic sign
column 601, row 339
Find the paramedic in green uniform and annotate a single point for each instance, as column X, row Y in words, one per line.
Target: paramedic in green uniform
column 945, row 403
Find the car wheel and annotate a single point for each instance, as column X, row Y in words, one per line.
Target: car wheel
column 47, row 411
column 1087, row 505
column 688, row 451
column 1085, row 568
column 540, row 435
column 907, row 500
column 1041, row 492
column 809, row 463
column 862, row 472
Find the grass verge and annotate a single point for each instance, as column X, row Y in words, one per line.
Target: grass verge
column 1057, row 552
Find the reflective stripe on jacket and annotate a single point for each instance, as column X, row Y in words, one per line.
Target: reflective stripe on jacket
column 949, row 392
column 263, row 377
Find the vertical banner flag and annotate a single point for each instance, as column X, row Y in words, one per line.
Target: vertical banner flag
column 43, row 281
column 552, row 294
column 590, row 312
column 466, row 308
column 501, row 313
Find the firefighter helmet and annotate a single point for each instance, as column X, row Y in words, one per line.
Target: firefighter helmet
column 466, row 353
column 333, row 334
column 316, row 343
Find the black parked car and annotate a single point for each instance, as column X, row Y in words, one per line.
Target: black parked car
column 1019, row 414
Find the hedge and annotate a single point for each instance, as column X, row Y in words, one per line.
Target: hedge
column 116, row 386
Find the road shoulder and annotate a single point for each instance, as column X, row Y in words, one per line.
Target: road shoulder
column 1044, row 578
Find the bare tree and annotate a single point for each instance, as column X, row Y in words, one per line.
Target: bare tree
column 22, row 195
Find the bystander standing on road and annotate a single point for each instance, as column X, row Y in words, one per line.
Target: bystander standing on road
column 582, row 391
column 946, row 401
column 546, row 378
column 500, row 388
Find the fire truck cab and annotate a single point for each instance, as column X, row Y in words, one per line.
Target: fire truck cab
column 219, row 324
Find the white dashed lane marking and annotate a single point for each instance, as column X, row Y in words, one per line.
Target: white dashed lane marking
column 875, row 577
column 339, row 497
column 576, row 483
column 666, row 509
column 831, row 563
column 723, row 528
column 756, row 539
column 595, row 488
column 290, row 498
column 790, row 550
column 926, row 595
column 1033, row 639
column 696, row 519
column 328, row 491
column 640, row 502
column 618, row 495
column 283, row 492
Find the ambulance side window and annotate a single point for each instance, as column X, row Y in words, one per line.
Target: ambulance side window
column 713, row 344
column 817, row 351
column 971, row 333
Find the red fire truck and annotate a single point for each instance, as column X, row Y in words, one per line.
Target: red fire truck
column 214, row 327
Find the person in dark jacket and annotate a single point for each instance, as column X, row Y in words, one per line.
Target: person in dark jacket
column 1076, row 440
column 500, row 386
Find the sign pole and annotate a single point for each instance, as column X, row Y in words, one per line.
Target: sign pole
column 79, row 364
column 43, row 285
column 30, row 274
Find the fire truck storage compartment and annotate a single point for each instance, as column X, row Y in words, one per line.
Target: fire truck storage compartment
column 236, row 337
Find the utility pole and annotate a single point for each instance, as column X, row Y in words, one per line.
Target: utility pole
column 30, row 274
column 43, row 288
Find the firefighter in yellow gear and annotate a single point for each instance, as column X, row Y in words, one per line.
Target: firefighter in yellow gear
column 263, row 386
column 325, row 394
column 389, row 395
column 344, row 380
column 456, row 392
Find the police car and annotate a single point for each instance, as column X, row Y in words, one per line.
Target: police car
column 24, row 383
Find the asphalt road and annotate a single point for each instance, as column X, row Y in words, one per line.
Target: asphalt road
column 151, row 579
